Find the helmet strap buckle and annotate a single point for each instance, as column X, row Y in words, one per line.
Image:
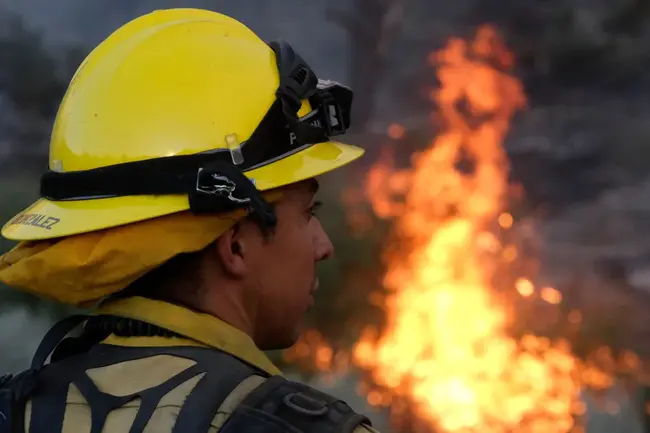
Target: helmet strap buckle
column 222, row 187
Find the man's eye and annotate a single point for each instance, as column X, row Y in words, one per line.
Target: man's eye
column 313, row 209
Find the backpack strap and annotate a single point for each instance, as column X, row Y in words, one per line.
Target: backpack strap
column 221, row 373
column 203, row 402
column 53, row 337
column 276, row 406
column 283, row 406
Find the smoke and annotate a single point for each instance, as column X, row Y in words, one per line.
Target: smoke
column 20, row 321
column 303, row 24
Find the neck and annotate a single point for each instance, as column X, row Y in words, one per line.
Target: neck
column 228, row 305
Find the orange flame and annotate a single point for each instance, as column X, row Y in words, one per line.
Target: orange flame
column 446, row 347
column 446, row 360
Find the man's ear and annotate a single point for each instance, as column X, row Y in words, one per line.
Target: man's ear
column 231, row 249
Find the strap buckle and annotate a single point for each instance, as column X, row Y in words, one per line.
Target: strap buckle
column 222, row 187
column 216, row 184
column 305, row 404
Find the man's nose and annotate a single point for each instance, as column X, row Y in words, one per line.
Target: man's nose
column 323, row 248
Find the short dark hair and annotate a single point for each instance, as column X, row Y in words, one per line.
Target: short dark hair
column 177, row 280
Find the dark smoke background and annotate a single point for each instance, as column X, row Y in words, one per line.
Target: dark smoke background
column 581, row 149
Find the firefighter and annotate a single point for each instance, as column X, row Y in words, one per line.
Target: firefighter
column 179, row 208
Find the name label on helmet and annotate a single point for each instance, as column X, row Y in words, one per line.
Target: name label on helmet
column 35, row 220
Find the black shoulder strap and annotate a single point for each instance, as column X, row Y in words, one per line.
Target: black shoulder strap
column 53, row 338
column 283, row 406
column 221, row 374
column 277, row 406
column 202, row 404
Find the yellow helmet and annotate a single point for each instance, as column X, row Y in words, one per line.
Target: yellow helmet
column 183, row 109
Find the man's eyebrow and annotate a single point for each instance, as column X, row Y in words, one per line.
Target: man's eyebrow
column 313, row 186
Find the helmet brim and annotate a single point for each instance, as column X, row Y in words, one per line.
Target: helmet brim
column 47, row 219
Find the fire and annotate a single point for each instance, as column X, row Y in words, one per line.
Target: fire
column 448, row 358
column 446, row 347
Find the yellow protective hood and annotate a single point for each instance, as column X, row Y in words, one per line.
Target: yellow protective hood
column 82, row 269
column 197, row 328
